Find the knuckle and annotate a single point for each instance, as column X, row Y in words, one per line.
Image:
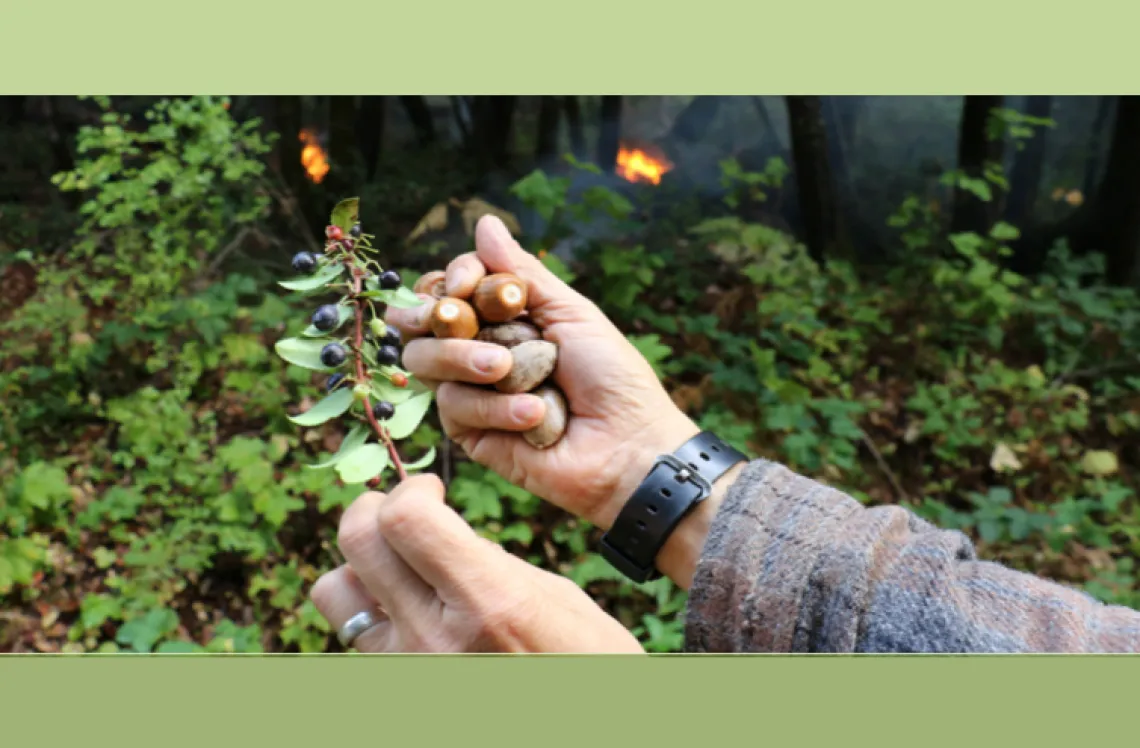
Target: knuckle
column 356, row 529
column 397, row 516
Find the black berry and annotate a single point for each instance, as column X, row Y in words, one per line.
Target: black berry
column 383, row 410
column 389, row 280
column 304, row 262
column 326, row 317
column 333, row 382
column 355, row 231
column 391, row 338
column 388, row 355
column 333, row 355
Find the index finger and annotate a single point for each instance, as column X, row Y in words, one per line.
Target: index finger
column 435, row 542
column 413, row 322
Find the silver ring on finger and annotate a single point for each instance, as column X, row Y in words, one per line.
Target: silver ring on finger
column 355, row 627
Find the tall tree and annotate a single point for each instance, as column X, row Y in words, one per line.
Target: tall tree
column 975, row 150
column 822, row 226
column 342, row 142
column 1096, row 147
column 370, row 123
column 574, row 129
column 419, row 113
column 548, row 115
column 1025, row 181
column 840, row 114
column 491, row 129
column 609, row 133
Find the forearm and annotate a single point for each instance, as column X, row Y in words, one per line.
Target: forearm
column 790, row 565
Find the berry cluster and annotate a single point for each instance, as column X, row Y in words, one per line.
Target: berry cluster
column 365, row 380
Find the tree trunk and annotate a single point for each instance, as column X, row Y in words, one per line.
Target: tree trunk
column 1096, row 145
column 1025, row 181
column 816, row 187
column 546, row 143
column 609, row 134
column 975, row 149
column 342, row 143
column 839, row 117
column 491, row 128
column 574, row 126
column 420, row 116
column 370, row 122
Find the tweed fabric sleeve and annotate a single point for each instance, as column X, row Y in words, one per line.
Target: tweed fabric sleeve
column 791, row 565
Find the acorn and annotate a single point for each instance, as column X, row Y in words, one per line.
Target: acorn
column 533, row 362
column 431, row 284
column 500, row 297
column 454, row 318
column 509, row 334
column 553, row 424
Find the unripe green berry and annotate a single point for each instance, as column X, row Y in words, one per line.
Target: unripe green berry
column 379, row 329
column 361, row 392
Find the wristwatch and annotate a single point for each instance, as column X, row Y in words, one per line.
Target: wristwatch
column 673, row 487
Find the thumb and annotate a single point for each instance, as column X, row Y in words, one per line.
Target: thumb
column 550, row 300
column 424, row 487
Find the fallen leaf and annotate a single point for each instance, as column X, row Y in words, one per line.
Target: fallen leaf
column 1003, row 459
column 1099, row 462
column 474, row 209
column 435, row 220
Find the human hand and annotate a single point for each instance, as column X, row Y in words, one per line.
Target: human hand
column 621, row 418
column 433, row 585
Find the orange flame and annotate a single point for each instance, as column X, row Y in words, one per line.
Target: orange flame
column 635, row 165
column 313, row 157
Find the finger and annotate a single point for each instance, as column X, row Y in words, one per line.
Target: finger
column 457, row 360
column 437, row 543
column 402, row 593
column 463, row 274
column 549, row 299
column 465, row 408
column 412, row 322
column 339, row 595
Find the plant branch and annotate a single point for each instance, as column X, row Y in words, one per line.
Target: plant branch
column 894, row 481
column 358, row 340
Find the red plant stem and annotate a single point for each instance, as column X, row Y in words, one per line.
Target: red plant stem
column 381, row 432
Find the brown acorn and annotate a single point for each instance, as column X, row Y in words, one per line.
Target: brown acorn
column 533, row 362
column 553, row 425
column 431, row 284
column 500, row 297
column 509, row 334
column 453, row 318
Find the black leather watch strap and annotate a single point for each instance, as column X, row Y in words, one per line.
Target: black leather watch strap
column 674, row 485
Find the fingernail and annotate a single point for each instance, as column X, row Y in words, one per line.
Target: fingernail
column 488, row 358
column 457, row 280
column 526, row 409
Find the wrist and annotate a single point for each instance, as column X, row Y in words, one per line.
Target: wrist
column 679, row 555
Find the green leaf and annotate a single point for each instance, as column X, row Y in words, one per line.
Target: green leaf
column 1004, row 232
column 314, row 281
column 345, row 312
column 346, row 213
column 355, row 437
column 408, row 416
column 397, row 298
column 143, row 633
column 421, row 463
column 382, row 389
column 1100, row 462
column 302, row 352
column 363, row 464
column 331, row 407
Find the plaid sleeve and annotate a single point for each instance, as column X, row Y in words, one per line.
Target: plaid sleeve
column 791, row 565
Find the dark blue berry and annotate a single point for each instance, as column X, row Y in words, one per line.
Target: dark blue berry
column 333, row 355
column 391, row 338
column 388, row 355
column 383, row 410
column 326, row 317
column 333, row 382
column 304, row 262
column 355, row 231
column 389, row 280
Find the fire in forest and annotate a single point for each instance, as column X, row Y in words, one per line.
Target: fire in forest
column 636, row 165
column 313, row 157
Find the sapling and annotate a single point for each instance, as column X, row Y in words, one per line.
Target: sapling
column 349, row 340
